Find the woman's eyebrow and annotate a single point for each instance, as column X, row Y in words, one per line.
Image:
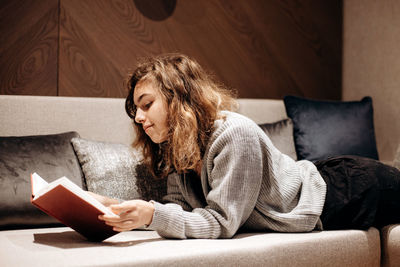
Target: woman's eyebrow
column 140, row 98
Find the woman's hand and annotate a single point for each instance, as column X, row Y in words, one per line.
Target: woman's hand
column 106, row 201
column 129, row 215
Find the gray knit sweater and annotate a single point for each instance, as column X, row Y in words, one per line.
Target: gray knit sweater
column 245, row 183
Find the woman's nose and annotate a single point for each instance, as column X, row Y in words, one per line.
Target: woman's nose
column 139, row 118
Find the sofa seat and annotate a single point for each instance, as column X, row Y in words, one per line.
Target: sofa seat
column 390, row 236
column 64, row 247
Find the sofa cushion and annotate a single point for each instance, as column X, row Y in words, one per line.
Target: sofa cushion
column 115, row 170
column 281, row 135
column 329, row 128
column 45, row 247
column 396, row 160
column 390, row 236
column 51, row 156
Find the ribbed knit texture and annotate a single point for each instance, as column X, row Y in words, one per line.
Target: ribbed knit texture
column 245, row 182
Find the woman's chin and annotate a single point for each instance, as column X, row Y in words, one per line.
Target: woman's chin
column 157, row 139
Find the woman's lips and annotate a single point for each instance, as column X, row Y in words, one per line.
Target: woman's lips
column 146, row 127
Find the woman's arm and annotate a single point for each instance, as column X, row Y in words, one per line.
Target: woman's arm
column 136, row 213
column 235, row 170
column 174, row 193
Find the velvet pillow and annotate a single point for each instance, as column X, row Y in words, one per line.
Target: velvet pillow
column 116, row 171
column 51, row 156
column 281, row 135
column 329, row 128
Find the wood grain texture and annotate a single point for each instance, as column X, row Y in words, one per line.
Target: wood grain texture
column 87, row 67
column 260, row 48
column 28, row 47
column 304, row 40
column 263, row 49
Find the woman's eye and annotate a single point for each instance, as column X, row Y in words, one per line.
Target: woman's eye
column 148, row 105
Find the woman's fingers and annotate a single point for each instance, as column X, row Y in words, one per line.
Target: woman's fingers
column 125, row 226
column 122, row 224
column 108, row 218
column 106, row 201
column 124, row 207
column 126, row 217
column 129, row 215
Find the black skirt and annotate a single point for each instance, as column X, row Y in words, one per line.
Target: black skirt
column 361, row 193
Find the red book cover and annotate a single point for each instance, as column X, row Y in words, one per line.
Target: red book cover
column 71, row 206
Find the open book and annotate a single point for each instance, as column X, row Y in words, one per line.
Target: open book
column 72, row 206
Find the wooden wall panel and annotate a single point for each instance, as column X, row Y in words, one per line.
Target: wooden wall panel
column 261, row 48
column 303, row 43
column 28, row 47
column 88, row 65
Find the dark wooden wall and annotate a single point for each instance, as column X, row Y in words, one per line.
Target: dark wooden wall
column 262, row 48
column 28, row 47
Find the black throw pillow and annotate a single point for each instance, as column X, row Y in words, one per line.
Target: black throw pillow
column 51, row 156
column 323, row 129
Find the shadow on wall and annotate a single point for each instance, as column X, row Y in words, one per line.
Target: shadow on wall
column 157, row 10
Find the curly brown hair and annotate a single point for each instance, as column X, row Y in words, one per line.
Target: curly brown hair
column 194, row 100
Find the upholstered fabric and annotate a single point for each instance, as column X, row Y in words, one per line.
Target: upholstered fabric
column 281, row 135
column 330, row 128
column 62, row 246
column 390, row 236
column 94, row 118
column 51, row 156
column 396, row 160
column 262, row 110
column 115, row 170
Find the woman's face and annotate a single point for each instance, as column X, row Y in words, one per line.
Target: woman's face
column 151, row 111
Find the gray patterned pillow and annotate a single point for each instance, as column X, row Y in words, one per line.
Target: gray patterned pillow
column 281, row 135
column 115, row 170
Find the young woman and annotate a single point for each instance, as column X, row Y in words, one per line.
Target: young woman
column 224, row 174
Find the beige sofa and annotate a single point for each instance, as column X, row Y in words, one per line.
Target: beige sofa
column 104, row 119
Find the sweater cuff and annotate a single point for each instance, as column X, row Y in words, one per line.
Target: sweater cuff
column 157, row 221
column 168, row 220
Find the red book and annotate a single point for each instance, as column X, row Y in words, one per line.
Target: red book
column 72, row 206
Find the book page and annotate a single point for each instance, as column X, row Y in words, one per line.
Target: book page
column 68, row 184
column 38, row 183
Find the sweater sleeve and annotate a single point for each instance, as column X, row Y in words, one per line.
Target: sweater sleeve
column 234, row 174
column 174, row 194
